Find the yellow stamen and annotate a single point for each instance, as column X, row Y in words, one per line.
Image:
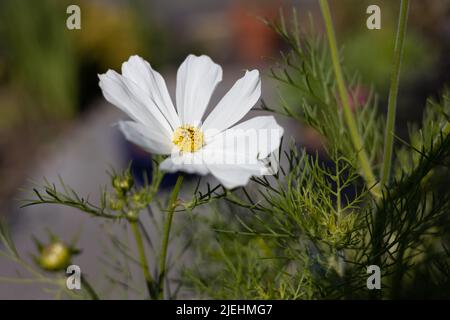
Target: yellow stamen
column 188, row 138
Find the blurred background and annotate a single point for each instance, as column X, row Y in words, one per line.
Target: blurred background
column 54, row 120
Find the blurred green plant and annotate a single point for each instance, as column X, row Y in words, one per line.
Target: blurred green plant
column 110, row 34
column 370, row 54
column 46, row 69
column 39, row 57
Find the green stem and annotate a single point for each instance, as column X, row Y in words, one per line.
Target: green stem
column 393, row 91
column 445, row 132
column 348, row 115
column 89, row 288
column 167, row 225
column 142, row 258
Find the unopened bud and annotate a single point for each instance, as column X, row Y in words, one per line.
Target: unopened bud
column 132, row 216
column 123, row 184
column 55, row 256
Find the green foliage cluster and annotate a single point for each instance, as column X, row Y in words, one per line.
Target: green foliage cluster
column 309, row 93
column 312, row 230
column 36, row 47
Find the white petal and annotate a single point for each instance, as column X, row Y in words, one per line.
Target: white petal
column 187, row 162
column 117, row 93
column 236, row 103
column 196, row 79
column 235, row 176
column 151, row 82
column 146, row 137
column 249, row 141
column 130, row 98
column 238, row 153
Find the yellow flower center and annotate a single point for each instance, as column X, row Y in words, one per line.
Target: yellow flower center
column 188, row 138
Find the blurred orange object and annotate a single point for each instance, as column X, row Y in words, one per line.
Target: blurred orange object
column 252, row 38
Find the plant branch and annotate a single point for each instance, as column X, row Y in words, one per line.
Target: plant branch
column 90, row 290
column 348, row 115
column 167, row 226
column 393, row 91
column 142, row 258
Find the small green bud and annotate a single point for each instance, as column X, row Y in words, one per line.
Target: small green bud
column 116, row 205
column 123, row 184
column 55, row 256
column 126, row 183
column 132, row 216
column 116, row 182
column 137, row 198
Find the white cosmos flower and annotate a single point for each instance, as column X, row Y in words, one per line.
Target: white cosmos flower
column 232, row 153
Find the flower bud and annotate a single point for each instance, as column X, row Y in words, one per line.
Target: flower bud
column 55, row 256
column 116, row 205
column 132, row 216
column 123, row 184
column 136, row 198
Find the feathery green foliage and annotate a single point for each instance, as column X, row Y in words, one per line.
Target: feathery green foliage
column 312, row 230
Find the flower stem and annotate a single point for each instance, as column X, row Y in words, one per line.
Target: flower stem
column 142, row 258
column 393, row 92
column 90, row 290
column 348, row 115
column 167, row 225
